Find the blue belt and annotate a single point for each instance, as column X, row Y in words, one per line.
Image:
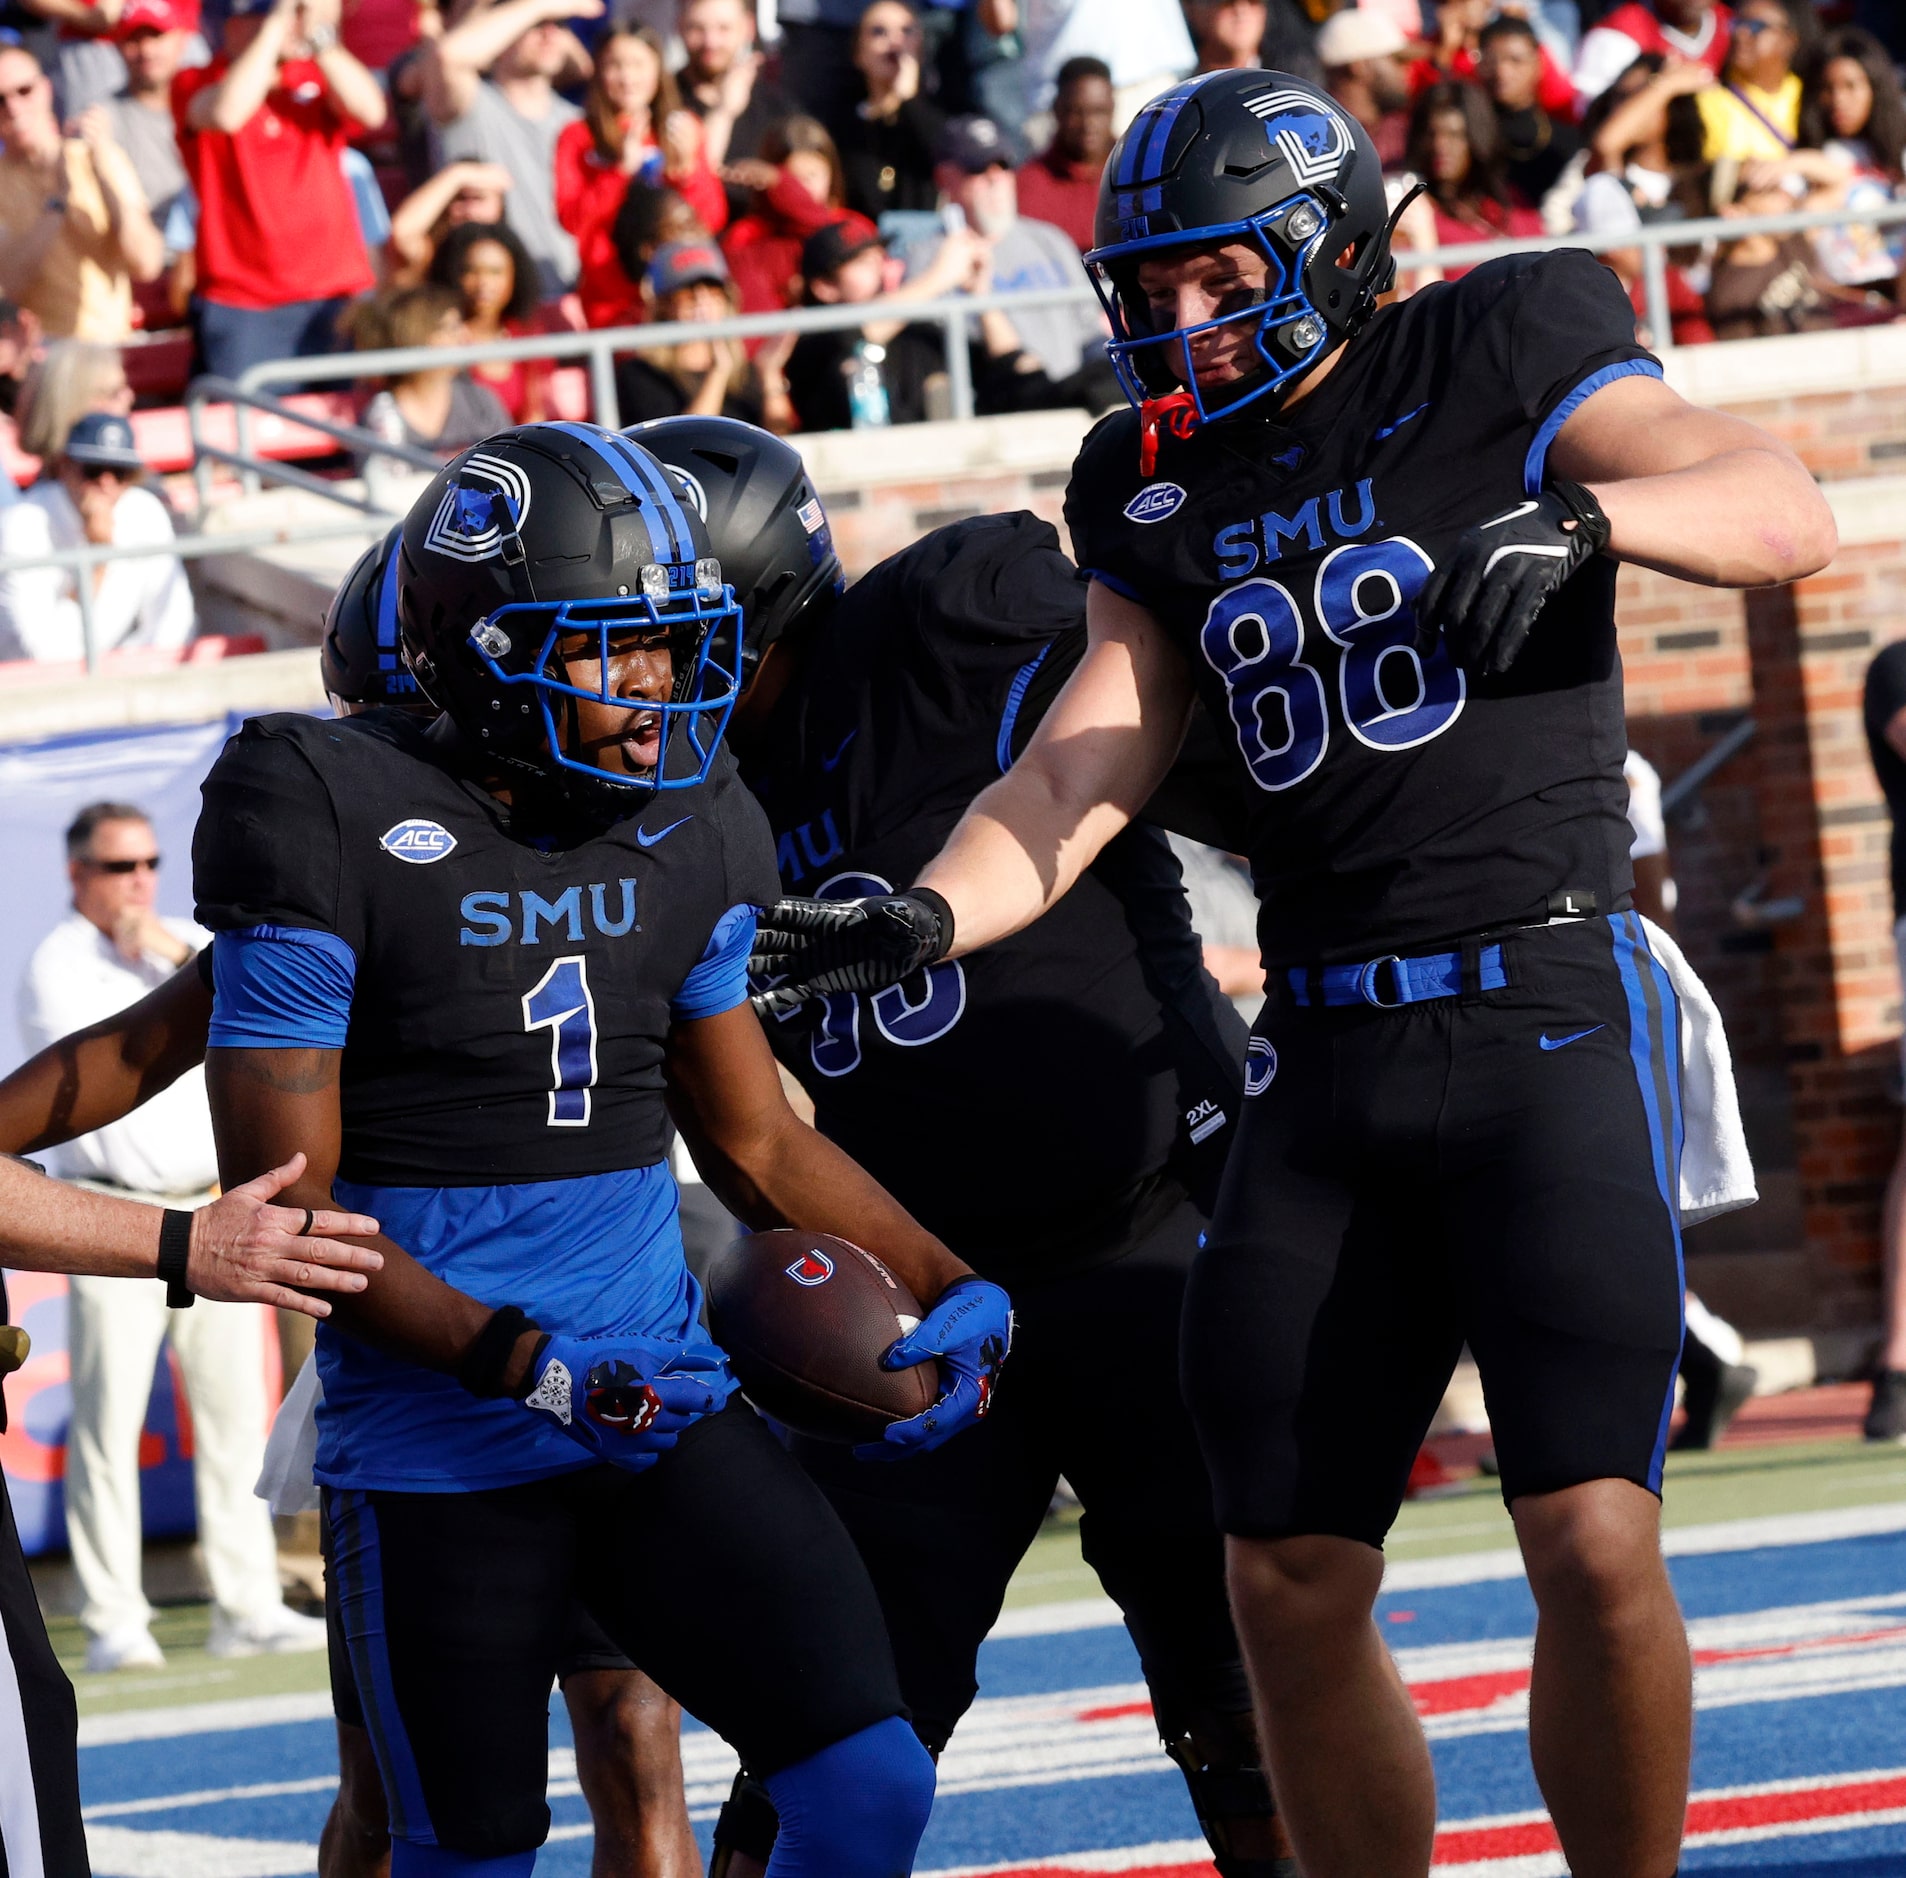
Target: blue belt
column 1390, row 982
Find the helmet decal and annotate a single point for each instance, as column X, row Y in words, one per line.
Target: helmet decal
column 1311, row 140
column 466, row 525
column 692, row 488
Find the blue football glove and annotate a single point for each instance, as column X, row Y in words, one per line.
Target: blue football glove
column 969, row 1329
column 626, row 1399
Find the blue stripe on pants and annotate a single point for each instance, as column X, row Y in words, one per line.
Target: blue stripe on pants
column 357, row 1570
column 1654, row 1046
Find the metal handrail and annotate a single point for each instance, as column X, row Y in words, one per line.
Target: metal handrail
column 600, row 344
column 185, row 548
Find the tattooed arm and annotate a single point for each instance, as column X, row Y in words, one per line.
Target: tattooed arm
column 268, row 1104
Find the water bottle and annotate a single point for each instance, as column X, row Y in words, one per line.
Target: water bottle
column 867, row 390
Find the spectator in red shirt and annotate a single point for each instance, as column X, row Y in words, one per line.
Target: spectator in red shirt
column 1458, row 52
column 632, row 125
column 495, row 281
column 1061, row 184
column 798, row 191
column 1694, row 31
column 261, row 130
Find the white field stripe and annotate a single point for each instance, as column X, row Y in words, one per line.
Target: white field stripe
column 1125, row 1858
column 202, row 1718
column 1731, row 1535
column 211, row 1796
column 119, row 1852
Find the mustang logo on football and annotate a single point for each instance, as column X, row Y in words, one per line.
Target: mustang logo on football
column 418, row 842
column 811, row 1268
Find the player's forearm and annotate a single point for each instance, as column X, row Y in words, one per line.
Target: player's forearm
column 1017, row 850
column 1748, row 518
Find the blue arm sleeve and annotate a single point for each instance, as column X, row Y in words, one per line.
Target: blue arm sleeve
column 284, row 987
column 719, row 980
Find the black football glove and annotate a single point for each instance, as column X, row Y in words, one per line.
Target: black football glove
column 1499, row 576
column 807, row 949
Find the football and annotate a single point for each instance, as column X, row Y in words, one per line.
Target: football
column 805, row 1319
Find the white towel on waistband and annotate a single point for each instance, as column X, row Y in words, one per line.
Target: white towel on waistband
column 1717, row 1173
column 291, row 1452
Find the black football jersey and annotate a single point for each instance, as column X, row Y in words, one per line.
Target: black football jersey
column 512, row 995
column 1395, row 802
column 1022, row 1100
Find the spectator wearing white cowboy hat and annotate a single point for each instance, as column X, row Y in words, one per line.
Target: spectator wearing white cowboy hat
column 91, row 492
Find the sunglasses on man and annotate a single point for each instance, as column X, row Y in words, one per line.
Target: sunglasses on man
column 150, row 862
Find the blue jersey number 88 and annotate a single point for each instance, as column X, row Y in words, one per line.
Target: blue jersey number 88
column 1391, row 699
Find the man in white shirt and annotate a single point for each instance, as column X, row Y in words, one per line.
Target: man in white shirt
column 109, row 952
column 92, row 494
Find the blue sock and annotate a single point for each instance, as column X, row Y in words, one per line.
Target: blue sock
column 438, row 1861
column 854, row 1810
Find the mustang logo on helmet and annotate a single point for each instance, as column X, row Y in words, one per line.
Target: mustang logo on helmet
column 1311, row 141
column 466, row 525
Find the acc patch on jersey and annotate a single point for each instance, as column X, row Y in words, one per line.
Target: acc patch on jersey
column 1260, row 1065
column 1154, row 502
column 418, row 842
column 489, row 499
column 1310, row 140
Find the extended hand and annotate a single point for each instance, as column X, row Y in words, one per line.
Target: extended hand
column 969, row 1329
column 626, row 1399
column 817, row 947
column 246, row 1251
column 1485, row 597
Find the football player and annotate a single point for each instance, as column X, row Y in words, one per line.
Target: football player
column 1056, row 1109
column 627, row 1732
column 471, row 963
column 1381, row 547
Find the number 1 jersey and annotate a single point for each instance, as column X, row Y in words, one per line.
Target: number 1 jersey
column 1397, row 802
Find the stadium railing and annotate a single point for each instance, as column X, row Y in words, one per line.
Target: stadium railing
column 208, row 401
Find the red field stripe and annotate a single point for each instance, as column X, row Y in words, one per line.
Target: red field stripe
column 1472, row 1845
column 1113, row 1711
column 1773, row 1809
column 1889, row 1635
column 1459, row 1693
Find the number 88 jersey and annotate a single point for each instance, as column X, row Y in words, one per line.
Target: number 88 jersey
column 1398, row 802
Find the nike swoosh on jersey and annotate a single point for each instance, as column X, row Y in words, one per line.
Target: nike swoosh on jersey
column 1390, row 430
column 647, row 840
column 830, row 762
column 1555, row 1043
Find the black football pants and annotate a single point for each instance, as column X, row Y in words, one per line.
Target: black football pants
column 1091, row 1392
column 40, row 1826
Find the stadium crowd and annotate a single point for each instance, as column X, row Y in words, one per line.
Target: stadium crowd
column 279, row 178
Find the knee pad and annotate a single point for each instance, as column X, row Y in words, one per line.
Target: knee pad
column 438, row 1861
column 746, row 1826
column 1217, row 1754
column 855, row 1809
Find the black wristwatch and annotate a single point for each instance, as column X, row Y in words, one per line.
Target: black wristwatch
column 175, row 1247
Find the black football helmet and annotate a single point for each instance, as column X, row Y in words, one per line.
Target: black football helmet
column 765, row 523
column 1256, row 156
column 554, row 529
column 360, row 657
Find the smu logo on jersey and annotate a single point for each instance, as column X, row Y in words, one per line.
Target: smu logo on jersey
column 418, row 842
column 813, row 1267
column 1242, row 546
column 495, row 919
column 1154, row 502
column 1260, row 1065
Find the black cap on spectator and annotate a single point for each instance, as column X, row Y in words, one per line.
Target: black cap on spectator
column 973, row 144
column 105, row 440
column 829, row 249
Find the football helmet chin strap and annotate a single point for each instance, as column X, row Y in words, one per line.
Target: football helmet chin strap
column 1217, row 1754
